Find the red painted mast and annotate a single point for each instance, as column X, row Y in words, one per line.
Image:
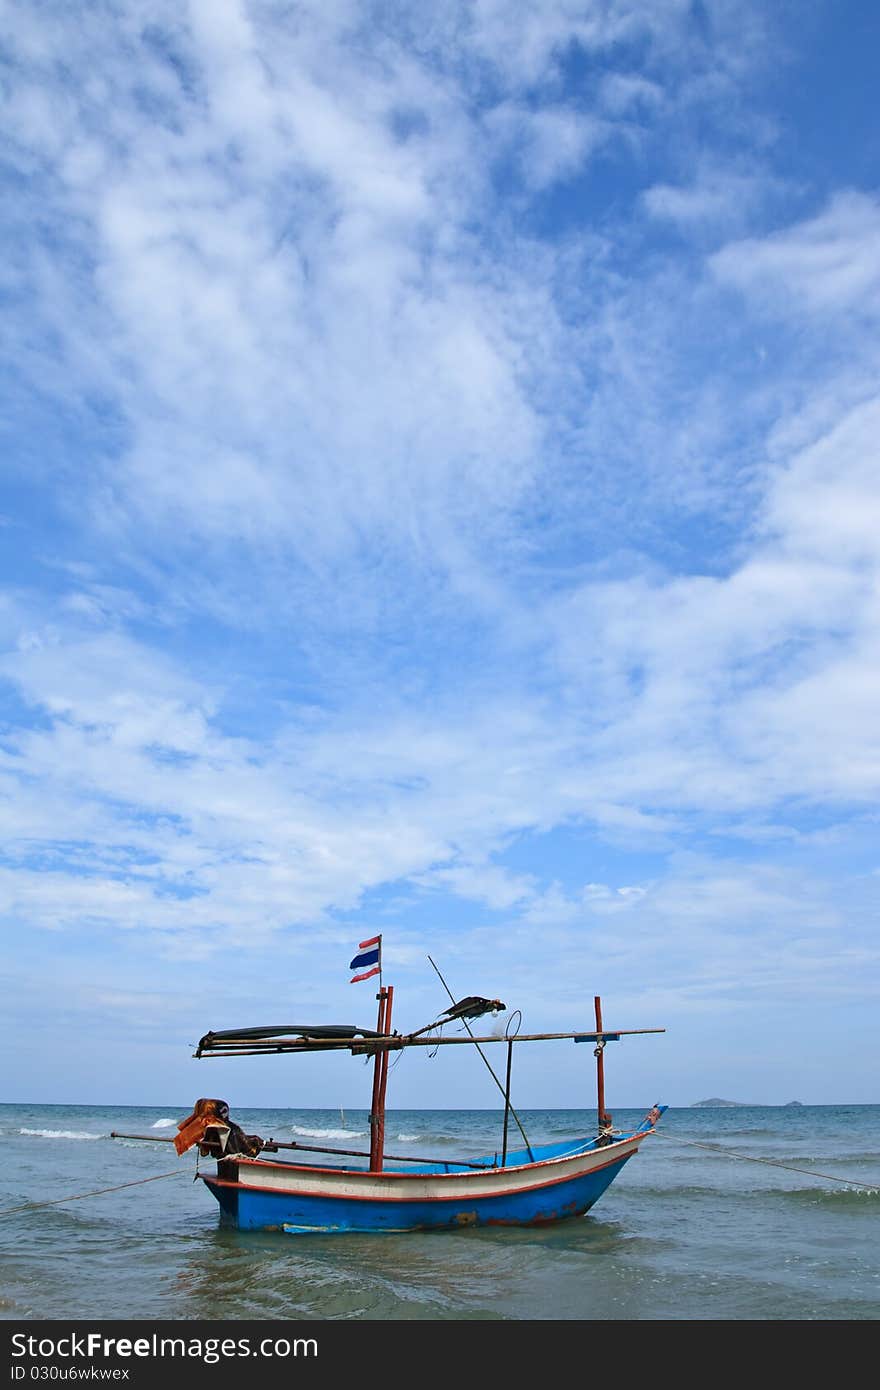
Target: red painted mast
column 380, row 1081
column 383, row 1083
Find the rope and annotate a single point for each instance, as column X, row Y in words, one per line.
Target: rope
column 489, row 1067
column 54, row 1201
column 750, row 1158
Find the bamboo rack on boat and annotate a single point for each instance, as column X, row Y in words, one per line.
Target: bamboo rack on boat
column 244, row 1047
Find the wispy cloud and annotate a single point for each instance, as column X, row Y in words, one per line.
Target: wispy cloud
column 826, row 266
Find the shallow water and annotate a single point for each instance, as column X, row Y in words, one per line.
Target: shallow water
column 685, row 1232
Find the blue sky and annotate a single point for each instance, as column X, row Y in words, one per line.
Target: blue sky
column 440, row 497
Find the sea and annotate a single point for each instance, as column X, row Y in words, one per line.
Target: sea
column 726, row 1213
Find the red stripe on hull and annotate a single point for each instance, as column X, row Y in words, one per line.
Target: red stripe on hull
column 453, row 1197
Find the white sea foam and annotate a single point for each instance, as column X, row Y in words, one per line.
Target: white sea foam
column 408, row 1138
column 328, row 1133
column 60, row 1134
column 163, row 1124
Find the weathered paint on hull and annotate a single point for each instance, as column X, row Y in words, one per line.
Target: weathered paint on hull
column 534, row 1194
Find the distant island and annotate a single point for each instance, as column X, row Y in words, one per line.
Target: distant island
column 716, row 1103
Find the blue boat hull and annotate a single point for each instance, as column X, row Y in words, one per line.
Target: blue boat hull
column 521, row 1194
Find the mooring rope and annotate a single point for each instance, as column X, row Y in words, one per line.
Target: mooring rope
column 773, row 1162
column 54, row 1201
column 691, row 1143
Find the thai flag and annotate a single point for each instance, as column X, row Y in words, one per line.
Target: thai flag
column 369, row 956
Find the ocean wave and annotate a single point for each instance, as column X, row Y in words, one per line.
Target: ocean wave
column 61, row 1134
column 842, row 1160
column 328, row 1133
column 843, row 1197
column 408, row 1138
column 853, row 1197
column 751, row 1133
column 163, row 1124
column 678, row 1190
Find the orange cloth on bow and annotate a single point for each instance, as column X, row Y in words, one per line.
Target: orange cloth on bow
column 192, row 1129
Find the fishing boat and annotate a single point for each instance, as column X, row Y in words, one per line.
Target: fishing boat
column 377, row 1191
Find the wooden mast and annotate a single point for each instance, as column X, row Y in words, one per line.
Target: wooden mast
column 380, row 1081
column 383, row 1084
column 604, row 1118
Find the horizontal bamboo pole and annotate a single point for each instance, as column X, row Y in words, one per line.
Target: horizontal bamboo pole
column 272, row 1146
column 153, row 1138
column 229, row 1047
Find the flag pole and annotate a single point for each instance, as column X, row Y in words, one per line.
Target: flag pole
column 380, row 1080
column 377, row 1076
column 388, row 991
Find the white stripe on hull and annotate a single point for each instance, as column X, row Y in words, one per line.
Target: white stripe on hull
column 340, row 1182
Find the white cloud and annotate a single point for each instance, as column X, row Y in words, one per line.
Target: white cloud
column 622, row 93
column 827, row 265
column 715, row 695
column 484, row 883
column 550, row 144
column 826, row 503
column 716, row 198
